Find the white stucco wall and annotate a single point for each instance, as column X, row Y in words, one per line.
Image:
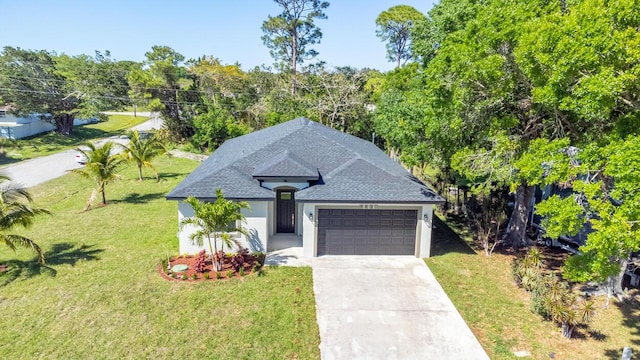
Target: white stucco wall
column 13, row 127
column 12, row 130
column 309, row 231
column 256, row 225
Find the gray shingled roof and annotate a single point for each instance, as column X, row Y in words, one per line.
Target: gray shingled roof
column 352, row 169
column 288, row 165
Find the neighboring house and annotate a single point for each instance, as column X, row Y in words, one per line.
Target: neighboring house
column 13, row 127
column 337, row 194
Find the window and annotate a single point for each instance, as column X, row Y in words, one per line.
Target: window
column 285, row 196
column 234, row 225
column 3, row 113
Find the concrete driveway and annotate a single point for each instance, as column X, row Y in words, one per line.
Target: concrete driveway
column 387, row 307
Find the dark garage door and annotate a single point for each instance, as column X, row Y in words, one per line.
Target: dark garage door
column 366, row 232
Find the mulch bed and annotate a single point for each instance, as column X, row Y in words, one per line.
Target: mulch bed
column 189, row 260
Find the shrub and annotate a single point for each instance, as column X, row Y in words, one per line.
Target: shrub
column 241, row 271
column 256, row 267
column 218, row 275
column 206, row 276
column 527, row 268
column 184, row 276
column 173, row 275
column 194, row 277
column 258, row 258
column 240, row 258
column 200, row 262
column 229, row 274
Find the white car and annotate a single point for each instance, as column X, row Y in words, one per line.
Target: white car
column 80, row 157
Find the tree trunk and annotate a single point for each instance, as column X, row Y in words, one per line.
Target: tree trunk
column 104, row 198
column 567, row 330
column 140, row 172
column 294, row 62
column 516, row 235
column 214, row 263
column 614, row 283
column 64, row 123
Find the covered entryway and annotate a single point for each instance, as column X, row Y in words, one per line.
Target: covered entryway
column 285, row 211
column 367, row 232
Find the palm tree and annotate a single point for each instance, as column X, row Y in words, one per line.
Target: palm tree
column 16, row 210
column 142, row 151
column 214, row 220
column 101, row 167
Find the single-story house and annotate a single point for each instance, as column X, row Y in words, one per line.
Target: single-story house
column 335, row 193
column 18, row 127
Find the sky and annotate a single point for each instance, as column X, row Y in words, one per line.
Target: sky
column 227, row 29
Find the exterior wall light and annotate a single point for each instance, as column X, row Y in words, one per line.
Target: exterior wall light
column 311, row 216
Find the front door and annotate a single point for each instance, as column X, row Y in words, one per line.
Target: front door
column 285, row 211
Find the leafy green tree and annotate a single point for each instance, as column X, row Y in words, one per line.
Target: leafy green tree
column 289, row 34
column 215, row 127
column 171, row 90
column 16, row 210
column 477, row 101
column 101, row 166
column 62, row 86
column 608, row 185
column 446, row 17
column 394, row 28
column 584, row 63
column 212, row 220
column 141, row 151
column 216, row 79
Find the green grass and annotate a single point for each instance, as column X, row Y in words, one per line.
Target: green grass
column 497, row 311
column 52, row 142
column 100, row 295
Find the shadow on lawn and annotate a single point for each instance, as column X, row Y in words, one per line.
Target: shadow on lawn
column 7, row 160
column 136, row 198
column 166, row 176
column 630, row 320
column 60, row 254
column 445, row 240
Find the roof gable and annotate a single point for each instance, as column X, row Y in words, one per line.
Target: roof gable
column 285, row 165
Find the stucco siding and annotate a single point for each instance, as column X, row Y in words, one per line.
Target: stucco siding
column 256, row 226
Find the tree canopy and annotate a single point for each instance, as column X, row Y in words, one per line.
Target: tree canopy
column 394, row 28
column 289, row 34
column 503, row 88
column 61, row 86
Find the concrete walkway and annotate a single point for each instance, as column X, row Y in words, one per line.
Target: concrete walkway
column 387, row 307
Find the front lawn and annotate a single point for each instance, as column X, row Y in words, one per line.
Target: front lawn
column 100, row 295
column 497, row 311
column 52, row 142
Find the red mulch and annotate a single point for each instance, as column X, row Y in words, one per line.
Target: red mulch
column 189, row 261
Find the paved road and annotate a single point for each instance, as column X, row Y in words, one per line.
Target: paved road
column 387, row 307
column 36, row 171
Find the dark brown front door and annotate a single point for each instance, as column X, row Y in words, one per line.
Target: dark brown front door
column 285, row 211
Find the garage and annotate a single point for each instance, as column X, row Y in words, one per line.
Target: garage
column 367, row 232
